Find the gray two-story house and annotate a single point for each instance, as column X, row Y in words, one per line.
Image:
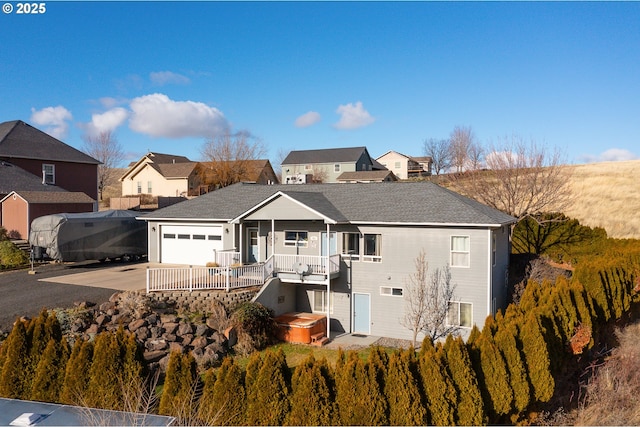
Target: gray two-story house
column 326, row 165
column 347, row 250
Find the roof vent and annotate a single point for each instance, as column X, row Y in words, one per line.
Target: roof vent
column 27, row 419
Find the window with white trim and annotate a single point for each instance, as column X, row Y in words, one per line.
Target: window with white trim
column 460, row 314
column 48, row 173
column 351, row 246
column 336, row 167
column 139, row 187
column 149, row 187
column 296, row 238
column 389, row 291
column 320, row 301
column 308, row 167
column 372, row 248
column 460, row 251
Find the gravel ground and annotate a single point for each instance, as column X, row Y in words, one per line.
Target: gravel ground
column 393, row 342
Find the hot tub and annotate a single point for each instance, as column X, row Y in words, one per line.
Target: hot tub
column 300, row 327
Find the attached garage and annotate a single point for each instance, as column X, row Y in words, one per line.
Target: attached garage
column 189, row 244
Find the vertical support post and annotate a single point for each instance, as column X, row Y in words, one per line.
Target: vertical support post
column 147, row 279
column 328, row 279
column 227, row 280
column 273, row 238
column 190, row 278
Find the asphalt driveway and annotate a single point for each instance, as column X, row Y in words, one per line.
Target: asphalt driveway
column 57, row 285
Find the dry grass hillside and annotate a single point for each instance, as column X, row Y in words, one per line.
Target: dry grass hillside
column 607, row 195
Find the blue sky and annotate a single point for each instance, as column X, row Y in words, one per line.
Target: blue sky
column 166, row 76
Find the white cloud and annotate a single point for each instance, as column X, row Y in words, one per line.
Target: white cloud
column 54, row 118
column 353, row 116
column 110, row 102
column 162, row 78
column 308, row 119
column 159, row 116
column 106, row 122
column 611, row 155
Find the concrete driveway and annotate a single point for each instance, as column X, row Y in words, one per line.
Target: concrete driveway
column 124, row 277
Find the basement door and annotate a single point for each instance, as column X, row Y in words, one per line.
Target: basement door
column 361, row 314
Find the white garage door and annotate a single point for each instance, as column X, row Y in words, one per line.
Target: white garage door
column 189, row 244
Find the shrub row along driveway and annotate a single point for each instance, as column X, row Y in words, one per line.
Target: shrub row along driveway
column 60, row 286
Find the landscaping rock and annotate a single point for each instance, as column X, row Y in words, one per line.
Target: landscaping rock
column 202, row 330
column 187, row 339
column 199, row 342
column 155, row 331
column 175, row 346
column 154, row 356
column 156, row 345
column 184, row 328
column 143, row 333
column 170, row 327
column 133, row 326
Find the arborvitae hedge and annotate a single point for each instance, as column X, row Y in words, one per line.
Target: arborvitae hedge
column 402, row 391
column 536, row 356
column 352, row 388
column 269, row 392
column 470, row 407
column 438, row 388
column 76, row 379
column 223, row 398
column 376, row 368
column 179, row 390
column 49, row 376
column 493, row 377
column 505, row 340
column 12, row 378
column 312, row 394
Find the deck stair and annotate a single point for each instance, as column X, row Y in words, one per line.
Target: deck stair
column 319, row 339
column 23, row 245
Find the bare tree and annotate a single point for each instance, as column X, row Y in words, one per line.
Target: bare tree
column 427, row 300
column 105, row 148
column 460, row 143
column 438, row 150
column 522, row 179
column 475, row 156
column 228, row 158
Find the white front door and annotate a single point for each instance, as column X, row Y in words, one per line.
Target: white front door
column 189, row 244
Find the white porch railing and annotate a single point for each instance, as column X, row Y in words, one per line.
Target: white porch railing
column 318, row 264
column 204, row 278
column 227, row 258
column 227, row 278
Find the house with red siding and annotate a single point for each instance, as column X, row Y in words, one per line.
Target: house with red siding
column 33, row 162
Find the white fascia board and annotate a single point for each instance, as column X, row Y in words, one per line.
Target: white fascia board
column 430, row 224
column 206, row 220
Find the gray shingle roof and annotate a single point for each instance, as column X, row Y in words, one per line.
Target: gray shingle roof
column 392, row 202
column 167, row 158
column 51, row 197
column 329, row 155
column 377, row 175
column 20, row 140
column 14, row 178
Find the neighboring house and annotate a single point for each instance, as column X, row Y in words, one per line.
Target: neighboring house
column 158, row 174
column 406, row 167
column 367, row 176
column 52, row 161
column 359, row 242
column 257, row 171
column 326, row 165
column 19, row 208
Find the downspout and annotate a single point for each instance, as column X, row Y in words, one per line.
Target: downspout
column 241, row 239
column 328, row 270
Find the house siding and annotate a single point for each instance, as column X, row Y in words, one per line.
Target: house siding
column 160, row 185
column 70, row 176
